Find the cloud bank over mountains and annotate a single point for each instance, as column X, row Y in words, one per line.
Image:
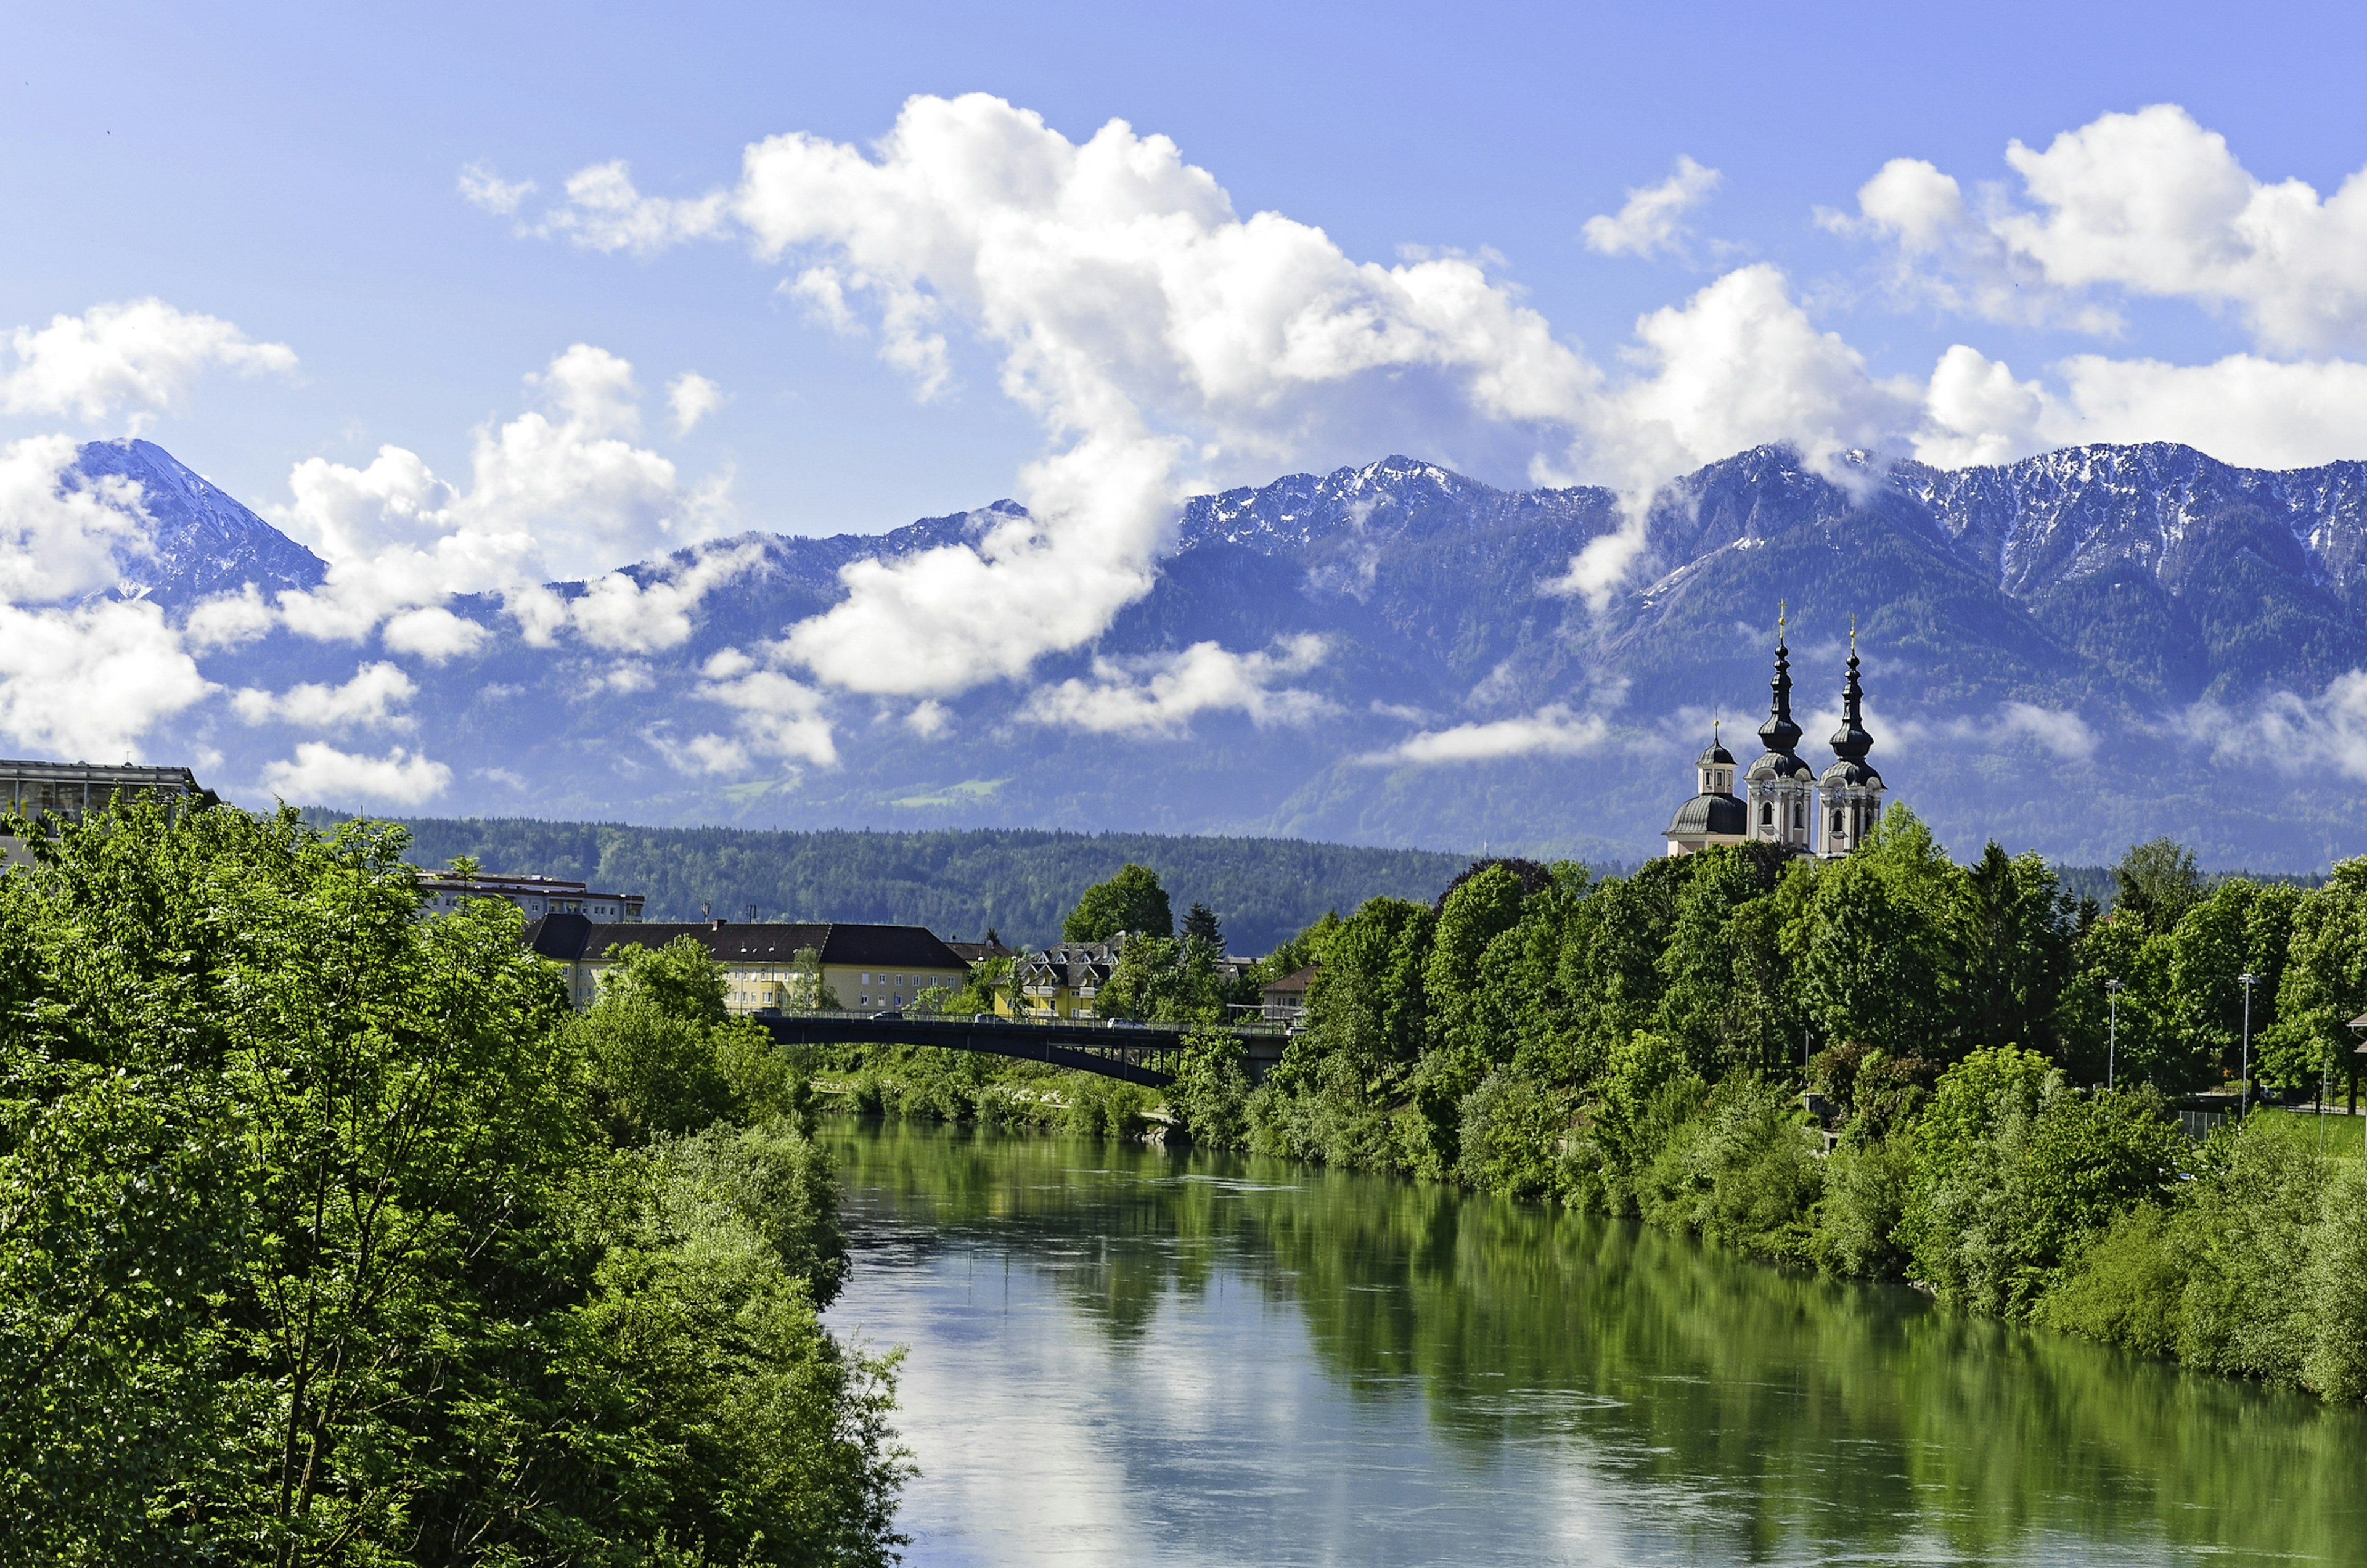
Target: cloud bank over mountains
column 1165, row 344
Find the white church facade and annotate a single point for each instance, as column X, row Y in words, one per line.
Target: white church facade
column 1784, row 800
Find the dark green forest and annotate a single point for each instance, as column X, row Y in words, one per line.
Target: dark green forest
column 330, row 1234
column 1021, row 883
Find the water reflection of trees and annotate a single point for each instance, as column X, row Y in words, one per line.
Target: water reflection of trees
column 1849, row 1413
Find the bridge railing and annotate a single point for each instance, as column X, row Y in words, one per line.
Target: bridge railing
column 1117, row 1029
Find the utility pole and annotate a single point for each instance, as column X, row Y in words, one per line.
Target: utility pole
column 2111, row 1031
column 2244, row 1100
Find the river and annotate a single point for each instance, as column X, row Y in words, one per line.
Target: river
column 1120, row 1355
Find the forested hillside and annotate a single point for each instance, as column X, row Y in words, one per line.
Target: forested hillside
column 958, row 883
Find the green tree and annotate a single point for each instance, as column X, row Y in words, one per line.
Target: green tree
column 1721, row 964
column 2239, row 927
column 2156, row 883
column 2016, row 932
column 332, row 1261
column 2019, row 1171
column 1872, row 964
column 1200, row 925
column 1209, row 1097
column 1131, row 901
column 1330, row 1095
column 2325, row 984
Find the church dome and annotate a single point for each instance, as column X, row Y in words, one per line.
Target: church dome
column 1704, row 815
column 1779, row 765
column 1849, row 772
column 1715, row 754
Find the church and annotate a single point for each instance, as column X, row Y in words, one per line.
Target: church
column 1783, row 801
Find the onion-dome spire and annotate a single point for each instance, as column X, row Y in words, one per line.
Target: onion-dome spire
column 1851, row 741
column 1779, row 733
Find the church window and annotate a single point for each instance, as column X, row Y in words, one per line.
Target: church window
column 1767, row 813
column 1837, row 818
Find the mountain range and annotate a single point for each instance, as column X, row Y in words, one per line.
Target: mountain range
column 2067, row 653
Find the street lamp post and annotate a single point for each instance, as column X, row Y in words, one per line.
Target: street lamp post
column 2111, row 1031
column 2244, row 1100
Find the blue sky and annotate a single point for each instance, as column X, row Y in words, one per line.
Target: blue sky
column 471, row 300
column 292, row 170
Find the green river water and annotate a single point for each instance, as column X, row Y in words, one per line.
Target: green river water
column 1117, row 1355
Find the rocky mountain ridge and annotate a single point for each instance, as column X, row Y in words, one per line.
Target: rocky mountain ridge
column 2023, row 626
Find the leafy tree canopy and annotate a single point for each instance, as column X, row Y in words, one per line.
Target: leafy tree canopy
column 1130, row 901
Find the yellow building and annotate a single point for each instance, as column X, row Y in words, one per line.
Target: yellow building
column 1064, row 980
column 784, row 966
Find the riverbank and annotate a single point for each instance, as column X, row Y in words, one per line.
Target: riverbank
column 2008, row 1195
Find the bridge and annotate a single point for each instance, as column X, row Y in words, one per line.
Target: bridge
column 1142, row 1053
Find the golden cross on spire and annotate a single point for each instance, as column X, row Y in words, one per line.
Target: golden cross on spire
column 1781, row 609
column 1853, row 636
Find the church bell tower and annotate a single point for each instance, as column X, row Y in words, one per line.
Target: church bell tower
column 1851, row 789
column 1781, row 786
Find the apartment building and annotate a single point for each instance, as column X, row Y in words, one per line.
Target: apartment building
column 535, row 896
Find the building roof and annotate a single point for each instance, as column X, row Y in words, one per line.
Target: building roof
column 106, row 778
column 972, row 952
column 501, row 884
column 1710, row 815
column 1717, row 753
column 1297, row 980
column 1072, row 964
column 576, row 939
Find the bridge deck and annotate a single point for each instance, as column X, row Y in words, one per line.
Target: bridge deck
column 1141, row 1053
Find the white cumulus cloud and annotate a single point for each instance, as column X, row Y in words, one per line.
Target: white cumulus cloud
column 141, row 354
column 777, row 716
column 1651, row 220
column 604, row 213
column 692, row 397
column 370, row 700
column 433, row 634
column 481, row 187
column 2243, row 409
column 2058, row 731
column 88, row 682
column 1163, row 340
column 1553, row 730
column 320, row 774
column 560, row 491
column 62, row 535
column 2149, row 203
column 228, row 620
column 1162, row 694
column 624, row 614
column 2299, row 734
